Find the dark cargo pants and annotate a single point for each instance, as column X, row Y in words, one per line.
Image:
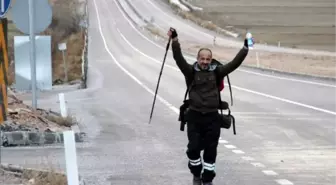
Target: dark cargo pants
column 203, row 134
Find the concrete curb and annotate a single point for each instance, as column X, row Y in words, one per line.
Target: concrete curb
column 180, row 5
column 218, row 29
column 271, row 48
column 21, row 170
column 141, row 22
column 331, row 79
column 190, row 6
column 245, row 66
column 19, row 138
column 137, row 12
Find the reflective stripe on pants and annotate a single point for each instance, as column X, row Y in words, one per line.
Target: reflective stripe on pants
column 195, row 162
column 209, row 167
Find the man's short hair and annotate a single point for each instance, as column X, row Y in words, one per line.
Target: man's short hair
column 201, row 49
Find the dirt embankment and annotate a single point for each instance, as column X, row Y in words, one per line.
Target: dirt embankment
column 297, row 24
column 22, row 117
column 290, row 23
column 322, row 66
column 14, row 175
column 65, row 27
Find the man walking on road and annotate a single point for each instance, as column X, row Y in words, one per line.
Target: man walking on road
column 203, row 119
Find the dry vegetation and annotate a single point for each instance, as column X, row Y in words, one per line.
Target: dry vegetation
column 20, row 176
column 7, row 177
column 191, row 16
column 23, row 117
column 300, row 24
column 67, row 121
column 323, row 66
column 64, row 28
column 40, row 178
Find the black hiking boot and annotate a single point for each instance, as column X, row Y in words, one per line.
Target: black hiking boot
column 197, row 181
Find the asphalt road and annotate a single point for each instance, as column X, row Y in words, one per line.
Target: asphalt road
column 284, row 135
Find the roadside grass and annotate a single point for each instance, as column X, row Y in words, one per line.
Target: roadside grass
column 48, row 173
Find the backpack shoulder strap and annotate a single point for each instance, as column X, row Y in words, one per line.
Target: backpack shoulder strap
column 218, row 80
column 189, row 83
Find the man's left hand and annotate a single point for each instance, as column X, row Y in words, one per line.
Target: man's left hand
column 245, row 43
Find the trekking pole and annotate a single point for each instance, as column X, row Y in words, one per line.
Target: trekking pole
column 158, row 83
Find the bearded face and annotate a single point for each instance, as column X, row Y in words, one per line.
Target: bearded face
column 204, row 59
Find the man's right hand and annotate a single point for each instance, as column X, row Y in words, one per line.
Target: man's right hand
column 172, row 33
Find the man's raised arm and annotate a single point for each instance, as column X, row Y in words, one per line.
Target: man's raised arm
column 235, row 63
column 177, row 54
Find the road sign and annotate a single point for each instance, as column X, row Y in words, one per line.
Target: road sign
column 32, row 17
column 4, row 6
column 42, row 15
column 62, row 46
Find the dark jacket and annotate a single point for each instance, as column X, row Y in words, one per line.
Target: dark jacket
column 203, row 96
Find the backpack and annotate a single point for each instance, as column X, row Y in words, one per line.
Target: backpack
column 226, row 119
column 221, row 83
column 221, row 87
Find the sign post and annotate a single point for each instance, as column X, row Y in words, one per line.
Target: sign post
column 3, row 73
column 62, row 47
column 32, row 20
column 4, row 6
column 32, row 52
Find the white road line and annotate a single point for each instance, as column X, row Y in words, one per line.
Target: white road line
column 223, row 141
column 258, row 165
column 137, row 50
column 210, row 36
column 273, row 113
column 238, row 151
column 327, row 53
column 283, row 182
column 246, row 71
column 230, row 146
column 138, row 81
column 135, row 29
column 170, row 106
column 239, row 88
column 251, row 72
column 269, row 172
column 285, row 100
column 277, row 118
column 288, row 79
column 248, row 158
